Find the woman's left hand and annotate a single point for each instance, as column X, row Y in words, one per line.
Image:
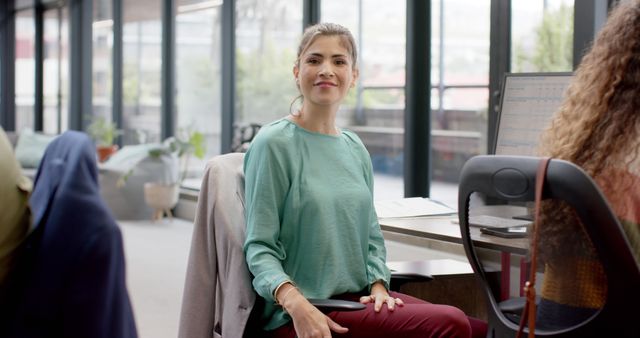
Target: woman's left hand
column 380, row 296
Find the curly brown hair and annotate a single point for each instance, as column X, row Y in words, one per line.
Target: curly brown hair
column 597, row 125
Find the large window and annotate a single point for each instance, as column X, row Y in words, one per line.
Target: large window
column 25, row 71
column 141, row 73
column 198, row 79
column 267, row 36
column 375, row 108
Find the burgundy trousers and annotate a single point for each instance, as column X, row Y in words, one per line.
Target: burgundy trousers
column 417, row 318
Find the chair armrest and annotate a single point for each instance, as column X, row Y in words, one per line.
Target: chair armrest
column 397, row 279
column 328, row 305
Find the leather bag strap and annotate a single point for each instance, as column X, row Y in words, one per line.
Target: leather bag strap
column 529, row 312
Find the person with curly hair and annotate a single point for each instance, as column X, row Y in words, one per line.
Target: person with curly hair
column 598, row 128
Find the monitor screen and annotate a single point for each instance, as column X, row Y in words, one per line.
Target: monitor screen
column 527, row 103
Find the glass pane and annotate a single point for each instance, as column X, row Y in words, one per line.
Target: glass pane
column 375, row 109
column 51, row 71
column 25, row 69
column 198, row 75
column 64, row 69
column 538, row 27
column 459, row 96
column 55, row 76
column 102, row 59
column 142, row 70
column 267, row 36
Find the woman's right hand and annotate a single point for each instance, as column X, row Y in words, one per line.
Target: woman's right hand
column 308, row 321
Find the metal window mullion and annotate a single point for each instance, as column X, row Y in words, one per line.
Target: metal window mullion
column 87, row 61
column 441, row 53
column 38, row 103
column 59, row 74
column 116, row 90
column 7, row 65
column 80, row 36
column 417, row 121
column 228, row 74
column 499, row 59
column 310, row 13
column 589, row 16
column 168, row 69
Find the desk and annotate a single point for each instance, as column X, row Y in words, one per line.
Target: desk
column 434, row 268
column 442, row 228
column 453, row 282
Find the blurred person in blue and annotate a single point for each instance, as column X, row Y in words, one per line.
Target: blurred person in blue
column 68, row 279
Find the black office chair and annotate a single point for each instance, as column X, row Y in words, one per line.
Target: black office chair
column 512, row 178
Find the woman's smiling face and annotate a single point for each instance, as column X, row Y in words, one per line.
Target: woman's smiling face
column 325, row 71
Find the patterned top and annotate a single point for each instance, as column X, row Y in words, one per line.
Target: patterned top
column 580, row 281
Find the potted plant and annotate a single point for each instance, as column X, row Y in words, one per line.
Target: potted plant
column 103, row 133
column 163, row 196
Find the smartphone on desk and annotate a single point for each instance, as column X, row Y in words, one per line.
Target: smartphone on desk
column 508, row 232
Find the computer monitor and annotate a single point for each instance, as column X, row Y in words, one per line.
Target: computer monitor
column 527, row 103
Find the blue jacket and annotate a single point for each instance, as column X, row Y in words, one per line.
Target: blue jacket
column 70, row 281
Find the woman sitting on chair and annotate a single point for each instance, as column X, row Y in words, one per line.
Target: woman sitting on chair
column 312, row 231
column 596, row 128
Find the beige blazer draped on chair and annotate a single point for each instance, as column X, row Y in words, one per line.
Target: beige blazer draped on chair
column 218, row 296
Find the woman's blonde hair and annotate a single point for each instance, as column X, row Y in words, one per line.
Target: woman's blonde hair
column 597, row 124
column 311, row 33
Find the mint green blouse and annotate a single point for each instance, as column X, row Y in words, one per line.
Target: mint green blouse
column 310, row 215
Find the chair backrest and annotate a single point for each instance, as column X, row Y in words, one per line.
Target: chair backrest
column 512, row 178
column 218, row 296
column 70, row 275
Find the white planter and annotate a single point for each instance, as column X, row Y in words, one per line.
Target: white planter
column 161, row 197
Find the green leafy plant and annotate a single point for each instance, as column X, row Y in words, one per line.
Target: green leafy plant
column 102, row 131
column 183, row 145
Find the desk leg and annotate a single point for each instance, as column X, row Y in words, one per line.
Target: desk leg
column 505, row 283
column 524, row 274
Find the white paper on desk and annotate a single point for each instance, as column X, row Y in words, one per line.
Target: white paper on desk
column 411, row 207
